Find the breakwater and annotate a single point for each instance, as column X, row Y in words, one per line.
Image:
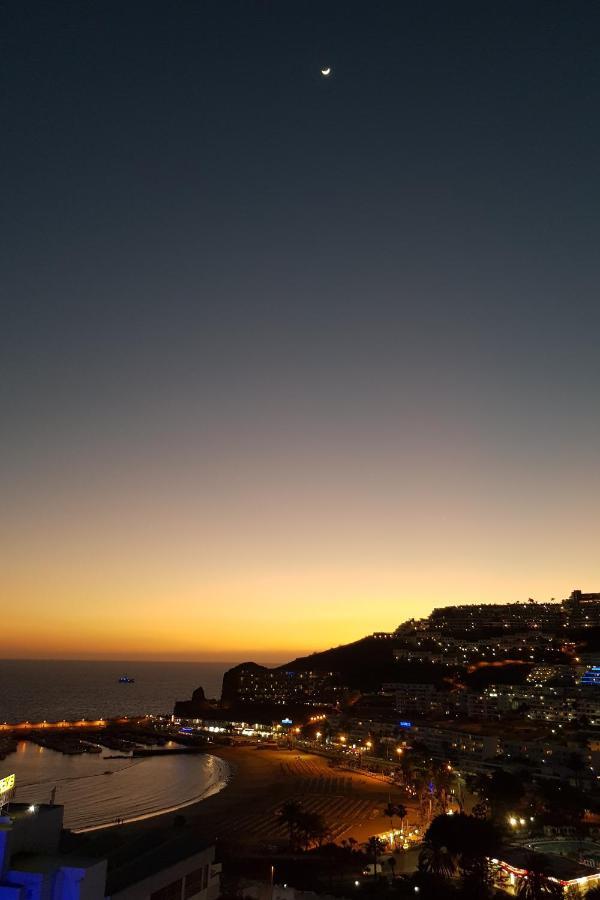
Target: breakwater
column 122, row 736
column 79, row 723
column 168, row 751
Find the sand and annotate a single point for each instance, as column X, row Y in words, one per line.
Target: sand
column 245, row 812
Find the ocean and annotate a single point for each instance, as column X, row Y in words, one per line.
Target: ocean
column 34, row 690
column 94, row 789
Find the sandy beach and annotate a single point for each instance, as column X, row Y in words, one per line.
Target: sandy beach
column 245, row 812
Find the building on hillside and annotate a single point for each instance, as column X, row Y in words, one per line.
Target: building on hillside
column 415, row 699
column 591, row 677
column 260, row 685
column 581, row 610
column 528, row 646
column 557, row 674
column 443, row 742
column 547, row 701
column 434, row 657
column 497, row 615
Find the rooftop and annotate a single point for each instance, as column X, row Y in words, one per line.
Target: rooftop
column 560, row 867
column 152, row 860
column 48, row 862
column 19, row 811
column 524, row 730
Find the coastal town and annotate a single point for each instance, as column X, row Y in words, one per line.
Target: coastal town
column 300, row 580
column 459, row 753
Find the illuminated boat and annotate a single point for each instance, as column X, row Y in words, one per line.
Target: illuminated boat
column 125, row 679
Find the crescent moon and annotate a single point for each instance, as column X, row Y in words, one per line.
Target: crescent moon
column 326, row 71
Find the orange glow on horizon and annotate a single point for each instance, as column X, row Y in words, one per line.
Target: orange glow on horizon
column 268, row 569
column 269, row 619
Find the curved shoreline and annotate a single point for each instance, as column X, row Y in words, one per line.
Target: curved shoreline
column 262, row 780
column 227, row 771
column 135, row 790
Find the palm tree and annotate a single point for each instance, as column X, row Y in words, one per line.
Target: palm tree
column 375, row 846
column 392, row 864
column 318, row 830
column 537, row 883
column 390, row 811
column 288, row 815
column 437, row 861
column 463, row 841
column 310, row 828
column 401, row 812
column 443, row 779
column 480, row 810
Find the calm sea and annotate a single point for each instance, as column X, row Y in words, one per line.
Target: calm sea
column 35, row 690
column 95, row 790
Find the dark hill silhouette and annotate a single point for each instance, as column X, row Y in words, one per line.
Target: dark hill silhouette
column 363, row 665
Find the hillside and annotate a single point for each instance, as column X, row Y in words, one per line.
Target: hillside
column 362, row 665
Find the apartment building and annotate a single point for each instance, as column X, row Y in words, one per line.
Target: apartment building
column 33, row 867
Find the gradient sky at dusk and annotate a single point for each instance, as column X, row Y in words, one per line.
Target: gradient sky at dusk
column 287, row 359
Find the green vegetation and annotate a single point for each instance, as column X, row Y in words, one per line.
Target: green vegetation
column 536, row 884
column 306, row 829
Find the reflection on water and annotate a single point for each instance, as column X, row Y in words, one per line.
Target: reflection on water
column 95, row 791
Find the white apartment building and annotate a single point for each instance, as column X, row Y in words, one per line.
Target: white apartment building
column 31, row 865
column 33, row 868
column 180, row 869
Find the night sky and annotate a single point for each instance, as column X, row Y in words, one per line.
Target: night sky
column 288, row 359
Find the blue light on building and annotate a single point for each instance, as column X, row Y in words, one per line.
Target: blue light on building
column 592, row 676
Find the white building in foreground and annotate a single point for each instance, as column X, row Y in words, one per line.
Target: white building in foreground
column 31, row 865
column 179, row 869
column 33, row 868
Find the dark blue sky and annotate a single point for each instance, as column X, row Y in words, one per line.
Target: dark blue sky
column 264, row 304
